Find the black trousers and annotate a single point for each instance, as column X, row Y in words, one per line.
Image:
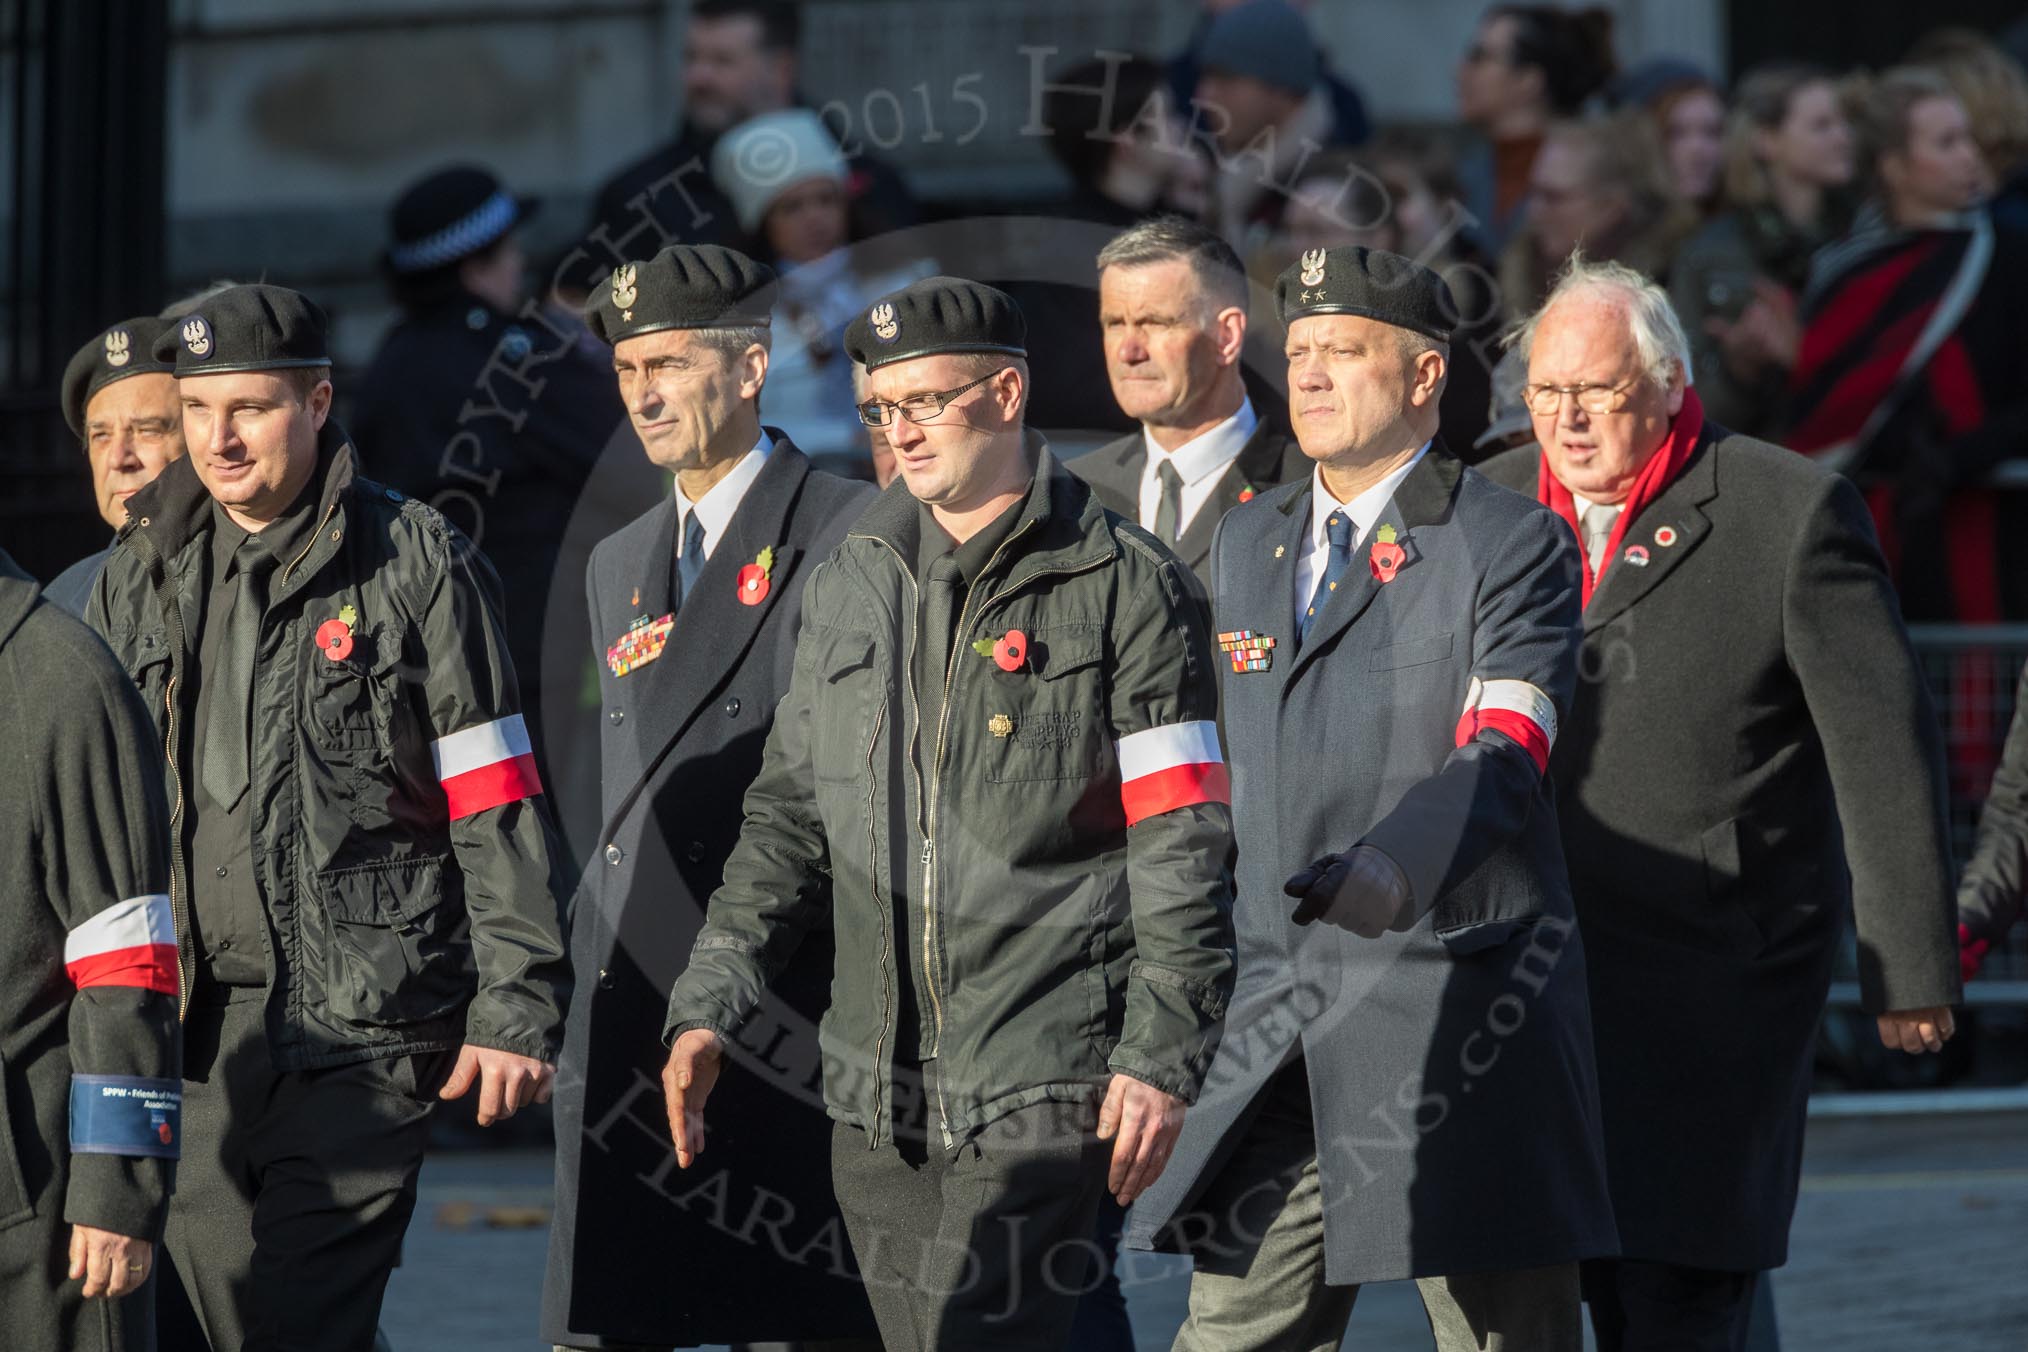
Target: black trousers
column 1639, row 1306
column 295, row 1187
column 988, row 1245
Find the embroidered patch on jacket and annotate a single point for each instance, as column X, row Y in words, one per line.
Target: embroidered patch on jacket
column 1046, row 731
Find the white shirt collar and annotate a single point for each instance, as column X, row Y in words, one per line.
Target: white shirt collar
column 1364, row 510
column 715, row 510
column 1207, row 453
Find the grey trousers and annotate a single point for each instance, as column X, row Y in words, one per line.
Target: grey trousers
column 1274, row 1297
column 295, row 1187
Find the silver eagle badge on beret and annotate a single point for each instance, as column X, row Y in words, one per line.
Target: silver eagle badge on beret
column 119, row 347
column 197, row 337
column 884, row 326
column 625, row 289
column 1313, row 268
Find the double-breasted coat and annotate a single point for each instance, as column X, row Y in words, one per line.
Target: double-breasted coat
column 1753, row 758
column 746, row 1244
column 1450, row 1065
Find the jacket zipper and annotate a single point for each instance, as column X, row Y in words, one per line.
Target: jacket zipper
column 886, row 921
column 179, row 906
column 879, row 1066
column 186, row 961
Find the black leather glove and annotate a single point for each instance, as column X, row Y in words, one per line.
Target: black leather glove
column 1363, row 891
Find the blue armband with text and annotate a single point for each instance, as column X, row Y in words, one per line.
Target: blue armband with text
column 126, row 1115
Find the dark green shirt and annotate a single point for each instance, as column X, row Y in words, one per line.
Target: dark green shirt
column 226, row 912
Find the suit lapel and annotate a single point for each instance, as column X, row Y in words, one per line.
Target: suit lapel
column 1423, row 499
column 715, row 628
column 1255, row 469
column 1665, row 533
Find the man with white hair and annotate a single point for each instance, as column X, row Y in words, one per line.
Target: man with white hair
column 1752, row 726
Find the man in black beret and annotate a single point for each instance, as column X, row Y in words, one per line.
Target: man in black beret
column 120, row 401
column 694, row 611
column 489, row 407
column 1413, row 1094
column 999, row 748
column 360, row 885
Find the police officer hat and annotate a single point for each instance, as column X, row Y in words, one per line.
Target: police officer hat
column 933, row 316
column 686, row 286
column 1369, row 282
column 247, row 328
column 449, row 216
column 125, row 349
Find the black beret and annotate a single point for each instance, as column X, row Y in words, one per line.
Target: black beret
column 933, row 316
column 125, row 349
column 451, row 215
column 247, row 328
column 686, row 286
column 1359, row 281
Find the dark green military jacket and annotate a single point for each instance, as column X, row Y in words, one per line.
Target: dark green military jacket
column 84, row 858
column 1044, row 865
column 402, row 854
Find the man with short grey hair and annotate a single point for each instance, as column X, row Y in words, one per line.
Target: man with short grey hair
column 1754, row 729
column 1172, row 306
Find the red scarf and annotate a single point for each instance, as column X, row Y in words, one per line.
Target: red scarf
column 1660, row 471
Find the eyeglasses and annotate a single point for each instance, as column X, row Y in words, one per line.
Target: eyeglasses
column 1545, row 401
column 919, row 408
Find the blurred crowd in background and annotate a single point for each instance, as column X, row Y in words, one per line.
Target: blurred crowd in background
column 1847, row 249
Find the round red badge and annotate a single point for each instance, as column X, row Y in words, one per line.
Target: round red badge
column 1011, row 651
column 334, row 640
column 1666, row 536
column 753, row 585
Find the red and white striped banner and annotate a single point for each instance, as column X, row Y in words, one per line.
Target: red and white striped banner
column 1178, row 765
column 486, row 766
column 1515, row 708
column 130, row 943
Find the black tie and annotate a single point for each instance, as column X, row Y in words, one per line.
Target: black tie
column 690, row 561
column 225, row 732
column 1338, row 527
column 1168, row 503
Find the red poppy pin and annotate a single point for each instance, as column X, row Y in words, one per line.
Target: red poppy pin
column 1387, row 556
column 1009, row 652
column 753, row 579
column 334, row 637
column 1246, row 493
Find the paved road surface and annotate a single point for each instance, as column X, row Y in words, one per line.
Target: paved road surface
column 1911, row 1236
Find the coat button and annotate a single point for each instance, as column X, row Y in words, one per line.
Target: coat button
column 221, row 870
column 617, row 717
column 606, row 981
column 614, row 854
column 732, row 707
column 695, row 854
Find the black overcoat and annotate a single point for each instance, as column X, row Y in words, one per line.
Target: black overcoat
column 1746, row 691
column 745, row 1245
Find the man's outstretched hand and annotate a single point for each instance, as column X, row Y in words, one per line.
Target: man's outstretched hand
column 686, row 1082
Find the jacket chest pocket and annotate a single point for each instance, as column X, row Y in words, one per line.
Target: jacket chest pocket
column 1047, row 720
column 391, row 958
column 355, row 709
column 853, row 687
